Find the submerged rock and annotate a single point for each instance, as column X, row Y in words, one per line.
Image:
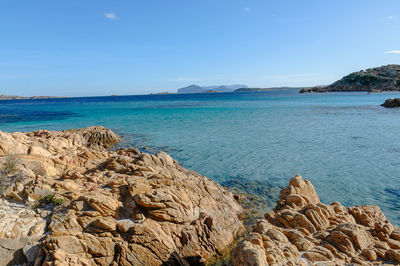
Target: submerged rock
column 302, row 231
column 391, row 103
column 81, row 204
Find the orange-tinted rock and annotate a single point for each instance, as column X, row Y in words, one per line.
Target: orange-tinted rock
column 105, row 207
column 327, row 234
column 299, row 193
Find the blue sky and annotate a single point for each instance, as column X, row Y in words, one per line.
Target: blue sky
column 95, row 47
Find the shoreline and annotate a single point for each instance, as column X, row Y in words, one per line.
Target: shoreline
column 90, row 205
column 22, row 98
column 78, row 197
column 4, row 97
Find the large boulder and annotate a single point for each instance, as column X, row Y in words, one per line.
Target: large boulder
column 97, row 135
column 391, row 103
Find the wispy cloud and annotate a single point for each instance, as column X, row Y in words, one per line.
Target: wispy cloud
column 110, row 16
column 247, row 9
column 393, row 52
column 391, row 17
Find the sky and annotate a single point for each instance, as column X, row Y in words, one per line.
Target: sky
column 126, row 47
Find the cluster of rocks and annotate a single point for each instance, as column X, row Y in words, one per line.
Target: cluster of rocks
column 302, row 231
column 68, row 200
column 314, row 89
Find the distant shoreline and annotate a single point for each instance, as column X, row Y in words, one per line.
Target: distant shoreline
column 16, row 97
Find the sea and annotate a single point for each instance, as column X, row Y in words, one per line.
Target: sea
column 345, row 143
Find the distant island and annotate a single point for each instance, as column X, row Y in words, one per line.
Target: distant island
column 378, row 79
column 162, row 93
column 15, row 97
column 267, row 89
column 207, row 89
column 230, row 88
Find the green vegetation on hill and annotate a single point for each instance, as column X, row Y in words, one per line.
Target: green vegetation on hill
column 384, row 78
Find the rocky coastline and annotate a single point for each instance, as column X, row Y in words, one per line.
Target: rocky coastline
column 16, row 97
column 68, row 199
column 372, row 80
column 303, row 231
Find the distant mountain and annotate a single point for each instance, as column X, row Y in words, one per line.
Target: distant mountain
column 192, row 89
column 216, row 88
column 384, row 78
column 226, row 88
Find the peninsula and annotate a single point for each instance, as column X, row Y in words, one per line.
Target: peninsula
column 378, row 79
column 209, row 89
column 15, row 97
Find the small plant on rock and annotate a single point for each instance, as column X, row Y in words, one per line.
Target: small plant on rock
column 11, row 164
column 57, row 201
column 46, row 199
column 51, row 198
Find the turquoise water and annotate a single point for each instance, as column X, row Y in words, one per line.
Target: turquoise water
column 345, row 143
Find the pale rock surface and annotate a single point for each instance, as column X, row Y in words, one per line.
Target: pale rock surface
column 20, row 227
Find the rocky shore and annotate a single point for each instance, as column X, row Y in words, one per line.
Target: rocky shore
column 303, row 231
column 373, row 80
column 16, row 97
column 67, row 199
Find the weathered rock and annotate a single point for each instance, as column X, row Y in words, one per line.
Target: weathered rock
column 98, row 135
column 18, row 221
column 20, row 231
column 326, row 234
column 92, row 206
column 298, row 194
column 85, row 205
column 250, row 252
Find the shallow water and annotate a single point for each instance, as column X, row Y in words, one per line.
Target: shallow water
column 345, row 143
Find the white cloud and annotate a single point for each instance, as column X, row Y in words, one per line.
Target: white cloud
column 247, row 9
column 110, row 15
column 390, row 17
column 393, row 52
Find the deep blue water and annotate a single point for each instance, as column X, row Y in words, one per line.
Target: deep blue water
column 345, row 143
